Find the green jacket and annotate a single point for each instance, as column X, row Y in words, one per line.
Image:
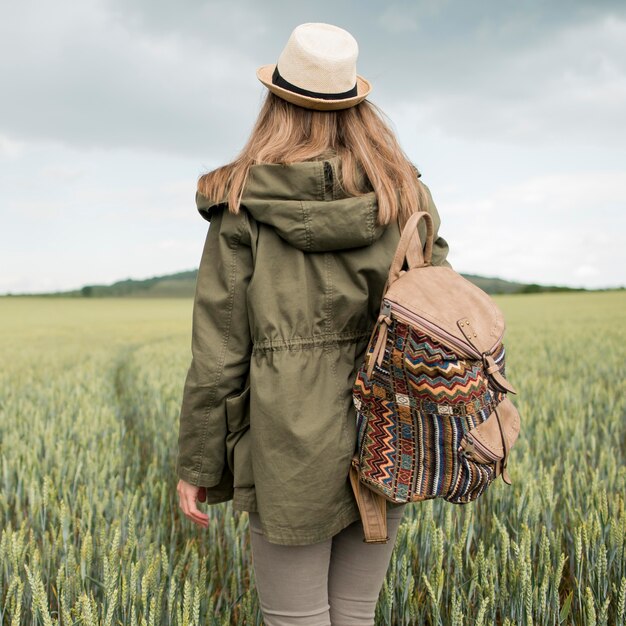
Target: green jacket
column 286, row 297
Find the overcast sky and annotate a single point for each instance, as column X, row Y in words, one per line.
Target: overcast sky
column 515, row 113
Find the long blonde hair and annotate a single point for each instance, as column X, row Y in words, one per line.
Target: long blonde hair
column 286, row 134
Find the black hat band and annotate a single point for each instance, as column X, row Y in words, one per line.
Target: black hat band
column 279, row 81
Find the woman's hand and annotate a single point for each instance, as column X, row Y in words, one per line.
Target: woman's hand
column 187, row 496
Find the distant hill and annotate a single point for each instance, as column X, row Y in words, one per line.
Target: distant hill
column 501, row 286
column 179, row 285
column 182, row 285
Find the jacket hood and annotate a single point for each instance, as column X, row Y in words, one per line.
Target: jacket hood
column 306, row 206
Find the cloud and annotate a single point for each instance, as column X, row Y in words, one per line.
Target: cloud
column 169, row 244
column 586, row 271
column 157, row 76
column 569, row 88
column 100, row 226
column 62, row 172
column 10, row 149
column 396, row 19
column 553, row 229
column 559, row 196
column 90, row 77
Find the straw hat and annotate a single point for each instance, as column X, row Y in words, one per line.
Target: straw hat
column 317, row 69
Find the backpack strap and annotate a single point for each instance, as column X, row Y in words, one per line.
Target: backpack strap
column 372, row 508
column 410, row 246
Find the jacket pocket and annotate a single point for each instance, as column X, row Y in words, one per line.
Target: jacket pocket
column 238, row 410
column 238, row 452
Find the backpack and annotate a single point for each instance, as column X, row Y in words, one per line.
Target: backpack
column 433, row 416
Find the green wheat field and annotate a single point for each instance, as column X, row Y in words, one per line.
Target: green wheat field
column 91, row 533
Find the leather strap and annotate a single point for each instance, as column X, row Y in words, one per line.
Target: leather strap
column 410, row 246
column 376, row 355
column 493, row 370
column 505, row 447
column 372, row 508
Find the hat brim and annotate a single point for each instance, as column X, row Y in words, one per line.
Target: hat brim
column 363, row 87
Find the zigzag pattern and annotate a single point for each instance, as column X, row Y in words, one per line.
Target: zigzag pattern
column 360, row 388
column 418, row 364
column 378, row 446
column 420, row 348
column 440, row 388
column 418, row 344
column 434, row 374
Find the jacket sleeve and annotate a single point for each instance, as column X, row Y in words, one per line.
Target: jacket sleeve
column 221, row 347
column 440, row 245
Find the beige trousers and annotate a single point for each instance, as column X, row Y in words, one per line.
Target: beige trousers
column 335, row 582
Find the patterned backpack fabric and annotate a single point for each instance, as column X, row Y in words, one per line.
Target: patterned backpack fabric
column 433, row 416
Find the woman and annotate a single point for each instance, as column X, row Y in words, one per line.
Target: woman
column 304, row 224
